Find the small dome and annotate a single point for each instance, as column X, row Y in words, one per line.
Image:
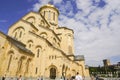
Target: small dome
column 49, row 6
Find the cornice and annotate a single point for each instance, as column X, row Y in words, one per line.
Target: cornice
column 53, row 47
column 19, row 45
column 3, row 34
column 29, row 24
column 66, row 28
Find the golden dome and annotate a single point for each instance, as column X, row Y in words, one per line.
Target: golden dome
column 49, row 6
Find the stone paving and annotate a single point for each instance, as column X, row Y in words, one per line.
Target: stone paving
column 88, row 78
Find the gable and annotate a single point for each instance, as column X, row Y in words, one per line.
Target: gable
column 36, row 19
column 20, row 28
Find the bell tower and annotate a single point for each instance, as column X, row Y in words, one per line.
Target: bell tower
column 51, row 13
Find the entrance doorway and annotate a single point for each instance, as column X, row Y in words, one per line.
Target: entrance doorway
column 52, row 73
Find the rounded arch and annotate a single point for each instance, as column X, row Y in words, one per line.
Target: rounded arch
column 59, row 44
column 54, row 39
column 52, row 66
column 43, row 34
column 31, row 19
column 18, row 28
column 30, row 43
column 10, row 52
column 53, row 71
column 23, row 57
column 73, row 72
column 38, row 49
column 42, row 23
column 38, row 46
column 10, row 59
column 18, row 32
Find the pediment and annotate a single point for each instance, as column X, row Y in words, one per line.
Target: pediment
column 36, row 19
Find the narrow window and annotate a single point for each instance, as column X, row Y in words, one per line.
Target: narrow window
column 29, row 45
column 36, row 70
column 49, row 57
column 15, row 35
column 38, row 51
column 44, row 13
column 52, row 57
column 49, row 15
column 20, row 64
column 9, row 62
column 27, row 65
column 54, row 16
column 55, row 56
column 20, row 34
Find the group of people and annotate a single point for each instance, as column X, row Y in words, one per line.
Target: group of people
column 77, row 77
column 19, row 78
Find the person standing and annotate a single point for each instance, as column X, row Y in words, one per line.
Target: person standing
column 3, row 78
column 20, row 77
column 78, row 77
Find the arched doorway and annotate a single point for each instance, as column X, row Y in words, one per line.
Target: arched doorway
column 52, row 73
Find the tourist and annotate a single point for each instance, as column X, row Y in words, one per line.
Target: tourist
column 20, row 77
column 3, row 78
column 61, row 78
column 40, row 78
column 92, row 77
column 78, row 77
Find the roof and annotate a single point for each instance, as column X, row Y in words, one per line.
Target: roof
column 49, row 6
column 31, row 25
column 65, row 28
column 4, row 35
column 19, row 45
column 79, row 58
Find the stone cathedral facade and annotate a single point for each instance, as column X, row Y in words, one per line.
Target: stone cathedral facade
column 36, row 46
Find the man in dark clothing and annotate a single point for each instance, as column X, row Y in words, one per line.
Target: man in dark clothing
column 3, row 78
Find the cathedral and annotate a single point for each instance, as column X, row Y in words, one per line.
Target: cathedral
column 36, row 46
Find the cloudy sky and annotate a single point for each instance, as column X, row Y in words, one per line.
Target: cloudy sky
column 96, row 24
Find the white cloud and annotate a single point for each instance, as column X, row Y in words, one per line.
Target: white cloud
column 39, row 4
column 57, row 1
column 94, row 37
column 43, row 2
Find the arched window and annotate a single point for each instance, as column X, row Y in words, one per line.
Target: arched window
column 27, row 65
column 54, row 40
column 43, row 34
column 20, row 64
column 42, row 23
column 38, row 50
column 9, row 63
column 15, row 35
column 18, row 32
column 31, row 19
column 52, row 73
column 30, row 43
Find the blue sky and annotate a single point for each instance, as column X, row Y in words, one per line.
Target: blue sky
column 95, row 23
